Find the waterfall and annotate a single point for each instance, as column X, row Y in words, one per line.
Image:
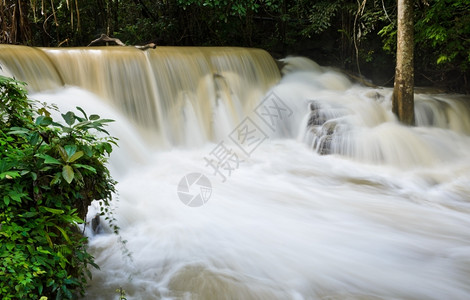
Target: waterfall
column 328, row 197
column 161, row 91
column 357, row 122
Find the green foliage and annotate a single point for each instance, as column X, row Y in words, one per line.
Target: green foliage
column 343, row 33
column 389, row 36
column 224, row 7
column 442, row 42
column 122, row 293
column 319, row 15
column 49, row 174
column 443, row 27
column 442, row 32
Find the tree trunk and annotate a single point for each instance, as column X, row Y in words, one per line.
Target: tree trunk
column 403, row 102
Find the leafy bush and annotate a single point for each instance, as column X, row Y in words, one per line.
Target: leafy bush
column 49, row 174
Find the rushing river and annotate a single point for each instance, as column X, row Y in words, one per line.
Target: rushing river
column 384, row 213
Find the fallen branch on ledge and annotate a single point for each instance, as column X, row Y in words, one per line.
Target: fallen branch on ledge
column 106, row 39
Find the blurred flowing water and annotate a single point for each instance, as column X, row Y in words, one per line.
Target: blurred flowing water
column 334, row 199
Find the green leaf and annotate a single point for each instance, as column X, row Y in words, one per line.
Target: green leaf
column 82, row 124
column 67, row 173
column 41, row 250
column 108, row 147
column 18, row 130
column 9, row 174
column 101, row 121
column 39, row 120
column 56, row 178
column 442, row 59
column 52, row 210
column 43, row 121
column 82, row 111
column 94, row 117
column 76, row 156
column 63, row 153
column 58, row 125
column 49, row 159
column 64, row 234
column 70, row 150
column 87, row 150
column 34, row 138
column 14, row 195
column 89, row 168
column 69, row 118
column 30, row 214
column 44, row 111
column 10, row 246
column 67, row 292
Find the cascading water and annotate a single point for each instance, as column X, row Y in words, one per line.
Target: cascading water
column 159, row 91
column 384, row 214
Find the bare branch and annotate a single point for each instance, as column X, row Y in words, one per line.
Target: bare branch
column 106, row 39
column 145, row 47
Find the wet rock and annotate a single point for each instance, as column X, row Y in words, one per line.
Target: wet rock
column 375, row 95
column 95, row 224
column 323, row 124
column 316, row 117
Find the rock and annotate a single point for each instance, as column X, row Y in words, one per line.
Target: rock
column 323, row 125
column 95, row 224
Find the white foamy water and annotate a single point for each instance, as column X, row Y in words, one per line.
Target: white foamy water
column 386, row 216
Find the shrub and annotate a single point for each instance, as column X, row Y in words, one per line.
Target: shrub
column 49, row 174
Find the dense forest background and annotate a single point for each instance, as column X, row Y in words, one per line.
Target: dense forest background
column 355, row 35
